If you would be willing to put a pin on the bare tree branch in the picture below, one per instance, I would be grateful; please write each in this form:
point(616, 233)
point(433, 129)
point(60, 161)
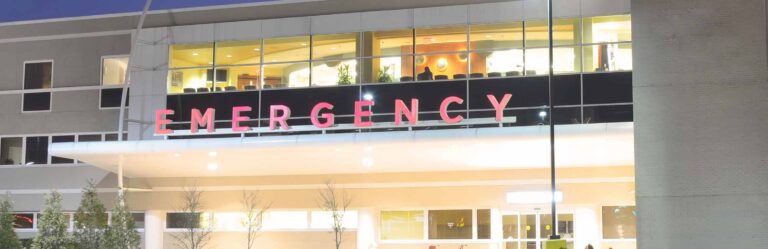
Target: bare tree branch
point(196, 231)
point(254, 208)
point(336, 202)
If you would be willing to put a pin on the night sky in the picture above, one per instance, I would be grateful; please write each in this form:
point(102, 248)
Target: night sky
point(25, 10)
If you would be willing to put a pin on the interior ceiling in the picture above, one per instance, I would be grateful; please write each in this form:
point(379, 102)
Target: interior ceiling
point(441, 150)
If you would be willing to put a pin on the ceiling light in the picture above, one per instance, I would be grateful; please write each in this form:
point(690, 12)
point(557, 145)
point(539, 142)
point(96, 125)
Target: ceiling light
point(303, 44)
point(367, 162)
point(213, 166)
point(256, 49)
point(432, 39)
point(488, 36)
point(368, 96)
point(195, 54)
point(333, 48)
point(229, 56)
point(274, 60)
point(213, 153)
point(176, 154)
point(368, 148)
point(542, 114)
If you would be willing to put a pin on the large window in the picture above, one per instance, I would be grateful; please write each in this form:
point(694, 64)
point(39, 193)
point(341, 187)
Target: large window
point(62, 139)
point(591, 44)
point(186, 220)
point(450, 224)
point(37, 75)
point(619, 222)
point(11, 150)
point(36, 150)
point(402, 225)
point(113, 72)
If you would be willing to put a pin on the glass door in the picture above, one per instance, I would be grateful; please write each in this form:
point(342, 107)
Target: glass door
point(528, 230)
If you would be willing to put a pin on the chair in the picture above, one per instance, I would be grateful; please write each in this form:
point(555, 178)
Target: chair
point(216, 89)
point(459, 76)
point(250, 87)
point(202, 90)
point(476, 75)
point(441, 77)
point(530, 72)
point(513, 73)
point(494, 74)
point(267, 86)
point(189, 90)
point(230, 88)
point(406, 78)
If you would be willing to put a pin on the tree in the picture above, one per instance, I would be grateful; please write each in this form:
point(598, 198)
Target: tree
point(336, 203)
point(8, 237)
point(254, 208)
point(196, 232)
point(122, 233)
point(52, 225)
point(90, 220)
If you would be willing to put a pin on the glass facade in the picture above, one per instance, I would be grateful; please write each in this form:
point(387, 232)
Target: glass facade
point(590, 44)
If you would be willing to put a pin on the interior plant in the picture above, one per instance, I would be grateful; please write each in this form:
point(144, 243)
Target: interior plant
point(8, 237)
point(383, 75)
point(121, 234)
point(344, 77)
point(90, 220)
point(52, 225)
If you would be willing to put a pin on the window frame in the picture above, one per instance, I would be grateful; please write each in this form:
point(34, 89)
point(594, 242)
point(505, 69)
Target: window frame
point(41, 90)
point(101, 79)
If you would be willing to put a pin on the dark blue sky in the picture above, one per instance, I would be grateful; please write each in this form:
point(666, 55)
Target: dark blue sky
point(25, 10)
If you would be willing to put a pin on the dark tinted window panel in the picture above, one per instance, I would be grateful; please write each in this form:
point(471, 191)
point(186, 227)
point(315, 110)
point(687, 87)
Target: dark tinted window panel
point(62, 139)
point(37, 150)
point(110, 137)
point(138, 219)
point(608, 114)
point(111, 97)
point(569, 115)
point(430, 95)
point(37, 75)
point(301, 101)
point(526, 92)
point(221, 101)
point(567, 89)
point(183, 220)
point(89, 138)
point(37, 102)
point(23, 220)
point(604, 88)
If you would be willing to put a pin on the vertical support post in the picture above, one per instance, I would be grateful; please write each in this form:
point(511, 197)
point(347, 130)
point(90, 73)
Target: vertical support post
point(120, 185)
point(126, 81)
point(552, 121)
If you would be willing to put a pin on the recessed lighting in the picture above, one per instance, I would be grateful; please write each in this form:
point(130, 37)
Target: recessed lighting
point(303, 44)
point(368, 96)
point(210, 63)
point(432, 39)
point(195, 54)
point(213, 166)
point(367, 162)
point(542, 114)
point(229, 56)
point(274, 60)
point(256, 49)
point(488, 36)
point(368, 148)
point(213, 153)
point(333, 48)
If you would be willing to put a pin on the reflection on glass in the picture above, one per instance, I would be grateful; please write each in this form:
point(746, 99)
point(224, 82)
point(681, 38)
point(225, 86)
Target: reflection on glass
point(608, 57)
point(38, 75)
point(387, 69)
point(330, 73)
point(23, 221)
point(607, 29)
point(619, 222)
point(496, 36)
point(388, 43)
point(286, 75)
point(238, 52)
point(10, 150)
point(565, 226)
point(238, 78)
point(528, 225)
point(564, 31)
point(444, 39)
point(483, 223)
point(441, 66)
point(500, 63)
point(511, 245)
point(113, 70)
point(510, 225)
point(285, 49)
point(334, 47)
point(450, 224)
point(402, 225)
point(36, 151)
point(566, 60)
point(190, 80)
point(190, 55)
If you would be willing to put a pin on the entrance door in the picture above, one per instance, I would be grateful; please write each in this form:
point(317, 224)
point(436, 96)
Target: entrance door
point(528, 230)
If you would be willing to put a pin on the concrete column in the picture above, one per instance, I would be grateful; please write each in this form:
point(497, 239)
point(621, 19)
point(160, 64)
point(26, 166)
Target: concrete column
point(154, 225)
point(366, 229)
point(701, 119)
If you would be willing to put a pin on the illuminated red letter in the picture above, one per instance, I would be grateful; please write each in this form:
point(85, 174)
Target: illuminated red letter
point(359, 113)
point(161, 121)
point(444, 110)
point(411, 114)
point(206, 120)
point(499, 106)
point(236, 118)
point(273, 118)
point(327, 116)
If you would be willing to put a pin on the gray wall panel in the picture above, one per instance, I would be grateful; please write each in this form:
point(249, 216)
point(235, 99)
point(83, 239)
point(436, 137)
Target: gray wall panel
point(496, 12)
point(245, 30)
point(441, 16)
point(338, 23)
point(387, 20)
point(285, 27)
point(72, 112)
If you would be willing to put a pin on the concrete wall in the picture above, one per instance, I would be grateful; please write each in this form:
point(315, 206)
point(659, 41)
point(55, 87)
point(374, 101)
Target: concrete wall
point(700, 116)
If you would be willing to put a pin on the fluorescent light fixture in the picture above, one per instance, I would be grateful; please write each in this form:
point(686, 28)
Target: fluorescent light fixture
point(533, 197)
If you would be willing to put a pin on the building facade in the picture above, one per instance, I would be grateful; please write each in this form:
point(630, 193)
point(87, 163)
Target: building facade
point(432, 117)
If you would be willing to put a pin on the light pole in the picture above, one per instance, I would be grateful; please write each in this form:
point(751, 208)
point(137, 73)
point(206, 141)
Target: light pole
point(554, 235)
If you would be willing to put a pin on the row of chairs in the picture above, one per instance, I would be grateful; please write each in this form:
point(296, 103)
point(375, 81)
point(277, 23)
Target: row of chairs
point(216, 89)
point(475, 75)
